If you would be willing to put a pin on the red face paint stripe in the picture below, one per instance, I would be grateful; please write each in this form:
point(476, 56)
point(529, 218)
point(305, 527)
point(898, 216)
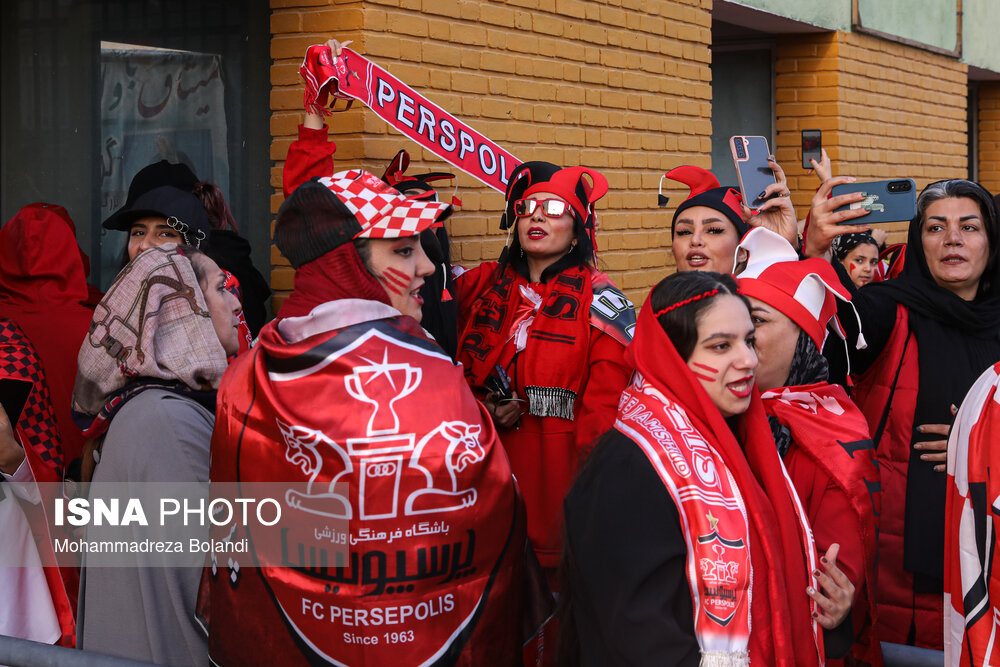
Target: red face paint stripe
point(706, 378)
point(705, 367)
point(399, 275)
point(392, 284)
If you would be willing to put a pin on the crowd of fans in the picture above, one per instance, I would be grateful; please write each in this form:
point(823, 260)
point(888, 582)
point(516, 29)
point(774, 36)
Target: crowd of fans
point(750, 467)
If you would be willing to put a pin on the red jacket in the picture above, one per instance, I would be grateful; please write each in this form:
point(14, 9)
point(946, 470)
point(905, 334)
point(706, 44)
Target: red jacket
point(545, 452)
point(309, 156)
point(831, 465)
point(899, 606)
point(42, 286)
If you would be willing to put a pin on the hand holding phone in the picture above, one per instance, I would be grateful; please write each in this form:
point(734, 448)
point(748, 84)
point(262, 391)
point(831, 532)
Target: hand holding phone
point(750, 155)
point(885, 201)
point(812, 147)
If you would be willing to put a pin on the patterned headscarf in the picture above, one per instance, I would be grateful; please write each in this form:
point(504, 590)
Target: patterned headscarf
point(151, 328)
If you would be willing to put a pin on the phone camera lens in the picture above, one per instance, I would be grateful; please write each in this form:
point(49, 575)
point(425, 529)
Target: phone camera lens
point(740, 152)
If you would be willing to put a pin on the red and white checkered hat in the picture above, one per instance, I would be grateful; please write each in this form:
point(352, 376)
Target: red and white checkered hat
point(382, 212)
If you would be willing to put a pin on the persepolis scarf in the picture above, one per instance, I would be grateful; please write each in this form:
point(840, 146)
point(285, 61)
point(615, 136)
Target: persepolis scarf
point(151, 329)
point(352, 76)
point(971, 572)
point(750, 550)
point(549, 325)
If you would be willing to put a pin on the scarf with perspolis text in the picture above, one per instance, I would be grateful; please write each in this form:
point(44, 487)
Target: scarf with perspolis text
point(352, 76)
point(971, 560)
point(401, 525)
point(826, 426)
point(549, 326)
point(750, 551)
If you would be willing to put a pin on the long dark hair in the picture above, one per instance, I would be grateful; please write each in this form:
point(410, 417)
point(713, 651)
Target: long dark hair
point(681, 323)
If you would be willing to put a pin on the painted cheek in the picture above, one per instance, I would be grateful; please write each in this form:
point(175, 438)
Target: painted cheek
point(853, 267)
point(395, 280)
point(709, 376)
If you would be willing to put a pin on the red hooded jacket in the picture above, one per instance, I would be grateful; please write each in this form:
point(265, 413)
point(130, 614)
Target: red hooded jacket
point(43, 286)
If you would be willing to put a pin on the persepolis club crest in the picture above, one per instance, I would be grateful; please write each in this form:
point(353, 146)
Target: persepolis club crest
point(722, 573)
point(399, 505)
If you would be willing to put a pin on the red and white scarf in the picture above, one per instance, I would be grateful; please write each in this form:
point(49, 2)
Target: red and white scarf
point(750, 552)
point(352, 76)
point(971, 560)
point(546, 324)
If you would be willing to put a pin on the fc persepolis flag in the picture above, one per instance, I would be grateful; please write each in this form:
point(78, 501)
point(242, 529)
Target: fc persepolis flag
point(421, 120)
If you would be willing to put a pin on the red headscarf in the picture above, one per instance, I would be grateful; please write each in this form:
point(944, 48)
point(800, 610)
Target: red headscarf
point(338, 274)
point(783, 632)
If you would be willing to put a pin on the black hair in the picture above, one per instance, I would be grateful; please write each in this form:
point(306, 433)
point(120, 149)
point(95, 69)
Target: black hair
point(581, 253)
point(843, 245)
point(681, 323)
point(959, 187)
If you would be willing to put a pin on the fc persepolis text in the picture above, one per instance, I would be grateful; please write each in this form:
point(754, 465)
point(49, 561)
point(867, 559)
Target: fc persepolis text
point(218, 512)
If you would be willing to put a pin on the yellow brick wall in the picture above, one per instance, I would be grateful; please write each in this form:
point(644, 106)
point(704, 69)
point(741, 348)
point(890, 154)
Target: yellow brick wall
point(623, 86)
point(989, 136)
point(887, 110)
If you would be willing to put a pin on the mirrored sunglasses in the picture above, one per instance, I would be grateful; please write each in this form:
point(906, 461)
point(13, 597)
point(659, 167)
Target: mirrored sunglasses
point(551, 208)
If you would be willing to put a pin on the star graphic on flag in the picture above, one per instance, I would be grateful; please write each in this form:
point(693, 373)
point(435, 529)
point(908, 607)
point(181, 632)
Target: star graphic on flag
point(381, 368)
point(712, 521)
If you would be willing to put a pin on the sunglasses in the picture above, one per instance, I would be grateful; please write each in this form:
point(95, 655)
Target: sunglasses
point(551, 208)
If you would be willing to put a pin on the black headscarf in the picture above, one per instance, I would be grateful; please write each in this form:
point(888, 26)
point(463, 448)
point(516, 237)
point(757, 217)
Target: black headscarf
point(956, 340)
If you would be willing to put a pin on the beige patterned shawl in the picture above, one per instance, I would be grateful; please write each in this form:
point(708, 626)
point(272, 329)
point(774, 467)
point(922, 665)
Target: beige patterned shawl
point(152, 323)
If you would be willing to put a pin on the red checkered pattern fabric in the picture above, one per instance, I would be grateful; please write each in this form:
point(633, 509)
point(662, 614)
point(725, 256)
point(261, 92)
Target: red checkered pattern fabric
point(382, 212)
point(37, 424)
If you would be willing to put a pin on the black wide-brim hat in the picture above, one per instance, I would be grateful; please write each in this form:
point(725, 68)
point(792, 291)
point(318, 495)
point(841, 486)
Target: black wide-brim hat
point(181, 209)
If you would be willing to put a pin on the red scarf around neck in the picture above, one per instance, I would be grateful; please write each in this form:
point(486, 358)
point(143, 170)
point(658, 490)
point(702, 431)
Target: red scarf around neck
point(552, 321)
point(777, 537)
point(338, 274)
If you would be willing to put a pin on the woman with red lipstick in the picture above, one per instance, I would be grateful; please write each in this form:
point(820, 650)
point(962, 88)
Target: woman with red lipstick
point(709, 224)
point(545, 318)
point(930, 332)
point(685, 541)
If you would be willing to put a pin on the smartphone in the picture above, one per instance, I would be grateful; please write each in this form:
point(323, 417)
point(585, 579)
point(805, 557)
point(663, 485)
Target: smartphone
point(885, 201)
point(812, 147)
point(13, 396)
point(750, 157)
point(499, 384)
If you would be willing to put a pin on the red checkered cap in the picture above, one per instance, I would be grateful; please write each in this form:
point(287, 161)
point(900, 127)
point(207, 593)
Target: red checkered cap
point(382, 212)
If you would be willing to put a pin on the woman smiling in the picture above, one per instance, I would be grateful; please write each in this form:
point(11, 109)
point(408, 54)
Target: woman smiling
point(685, 541)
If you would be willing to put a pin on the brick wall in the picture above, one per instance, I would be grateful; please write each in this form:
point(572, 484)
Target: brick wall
point(622, 86)
point(989, 135)
point(887, 110)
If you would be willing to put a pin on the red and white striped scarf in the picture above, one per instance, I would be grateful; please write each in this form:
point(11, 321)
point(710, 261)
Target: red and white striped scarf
point(750, 552)
point(972, 575)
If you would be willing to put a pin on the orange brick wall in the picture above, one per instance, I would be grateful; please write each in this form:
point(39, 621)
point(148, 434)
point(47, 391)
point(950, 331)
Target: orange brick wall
point(623, 86)
point(989, 136)
point(887, 110)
